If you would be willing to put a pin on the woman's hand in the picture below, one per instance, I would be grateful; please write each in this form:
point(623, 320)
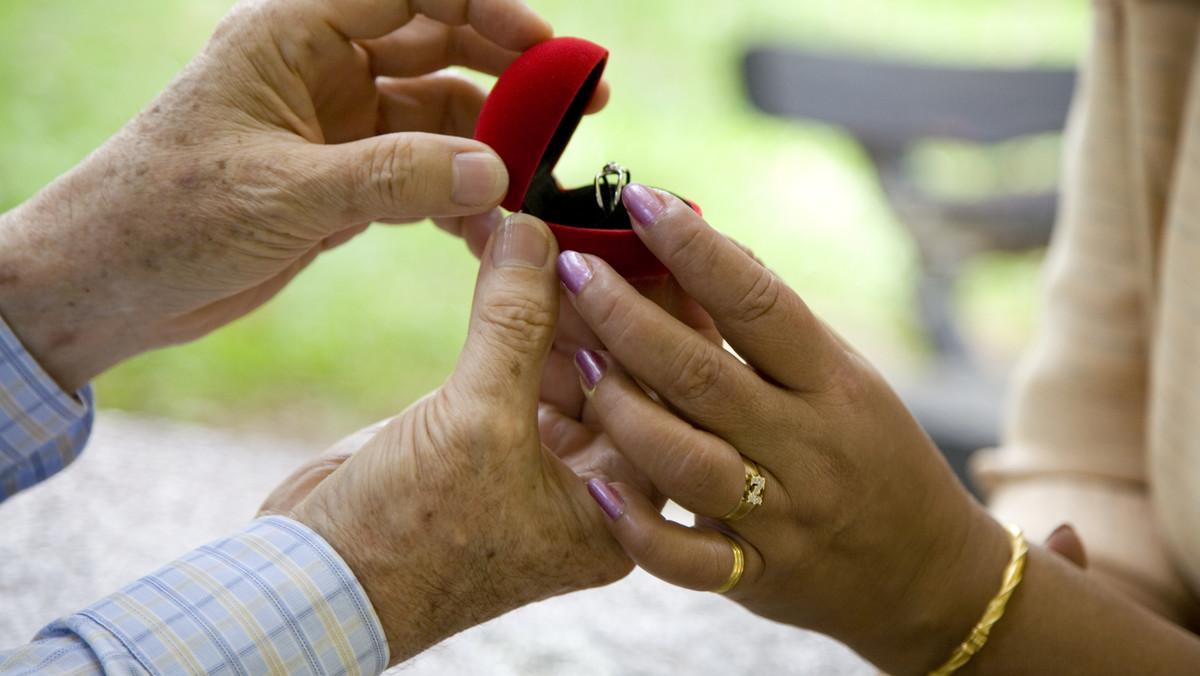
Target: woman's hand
point(863, 532)
point(301, 122)
point(456, 510)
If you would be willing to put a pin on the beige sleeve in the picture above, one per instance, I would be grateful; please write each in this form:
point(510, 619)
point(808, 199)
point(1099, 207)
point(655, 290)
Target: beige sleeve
point(1075, 440)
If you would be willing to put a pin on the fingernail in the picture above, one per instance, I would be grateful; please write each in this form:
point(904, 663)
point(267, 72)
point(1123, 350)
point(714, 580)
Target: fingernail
point(1065, 542)
point(591, 368)
point(520, 243)
point(609, 500)
point(573, 270)
point(1063, 529)
point(479, 179)
point(642, 203)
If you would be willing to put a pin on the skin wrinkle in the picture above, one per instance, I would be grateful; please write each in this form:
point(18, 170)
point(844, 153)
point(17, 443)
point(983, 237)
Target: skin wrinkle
point(607, 314)
point(517, 321)
point(697, 378)
point(692, 477)
point(387, 172)
point(759, 300)
point(696, 253)
point(291, 113)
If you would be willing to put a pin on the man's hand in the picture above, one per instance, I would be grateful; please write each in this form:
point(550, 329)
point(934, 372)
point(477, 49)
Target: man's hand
point(301, 122)
point(455, 511)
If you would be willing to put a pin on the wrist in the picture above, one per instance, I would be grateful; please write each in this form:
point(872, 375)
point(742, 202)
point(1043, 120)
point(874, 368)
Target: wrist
point(405, 620)
point(58, 318)
point(980, 633)
point(951, 597)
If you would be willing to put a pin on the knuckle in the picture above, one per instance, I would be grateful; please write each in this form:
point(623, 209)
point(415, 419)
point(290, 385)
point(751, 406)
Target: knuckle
point(651, 551)
point(695, 251)
point(849, 383)
point(608, 319)
point(697, 375)
point(692, 473)
point(391, 172)
point(758, 299)
point(495, 438)
point(471, 440)
point(517, 322)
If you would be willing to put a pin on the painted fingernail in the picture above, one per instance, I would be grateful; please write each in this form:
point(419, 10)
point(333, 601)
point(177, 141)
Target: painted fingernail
point(609, 500)
point(591, 368)
point(642, 203)
point(479, 179)
point(573, 270)
point(1065, 542)
point(520, 243)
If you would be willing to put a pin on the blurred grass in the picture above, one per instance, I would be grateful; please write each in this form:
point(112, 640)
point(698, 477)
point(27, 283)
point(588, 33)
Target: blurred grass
point(377, 323)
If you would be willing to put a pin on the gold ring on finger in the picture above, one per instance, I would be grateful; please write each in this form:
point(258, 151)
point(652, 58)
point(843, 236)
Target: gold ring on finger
point(752, 494)
point(739, 566)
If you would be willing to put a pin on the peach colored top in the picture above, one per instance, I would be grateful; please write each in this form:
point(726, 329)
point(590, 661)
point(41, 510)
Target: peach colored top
point(1104, 428)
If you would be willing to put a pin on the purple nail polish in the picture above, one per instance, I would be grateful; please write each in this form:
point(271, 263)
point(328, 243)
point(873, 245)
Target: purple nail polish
point(591, 366)
point(609, 500)
point(573, 270)
point(642, 203)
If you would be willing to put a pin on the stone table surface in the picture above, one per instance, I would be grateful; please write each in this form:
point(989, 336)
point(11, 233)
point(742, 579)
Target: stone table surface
point(147, 490)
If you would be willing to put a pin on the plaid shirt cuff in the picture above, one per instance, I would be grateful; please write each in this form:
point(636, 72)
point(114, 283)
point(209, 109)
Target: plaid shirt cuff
point(42, 428)
point(273, 598)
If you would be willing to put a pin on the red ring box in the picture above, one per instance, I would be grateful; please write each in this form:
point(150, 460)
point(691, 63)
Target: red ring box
point(528, 118)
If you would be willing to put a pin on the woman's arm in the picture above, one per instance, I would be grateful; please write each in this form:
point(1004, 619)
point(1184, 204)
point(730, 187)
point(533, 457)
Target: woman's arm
point(1079, 440)
point(863, 532)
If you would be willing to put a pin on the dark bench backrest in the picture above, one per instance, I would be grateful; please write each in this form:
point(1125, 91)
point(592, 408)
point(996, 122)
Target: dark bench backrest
point(888, 105)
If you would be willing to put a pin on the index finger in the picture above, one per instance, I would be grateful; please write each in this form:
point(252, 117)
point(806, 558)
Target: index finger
point(705, 384)
point(424, 46)
point(509, 23)
point(760, 317)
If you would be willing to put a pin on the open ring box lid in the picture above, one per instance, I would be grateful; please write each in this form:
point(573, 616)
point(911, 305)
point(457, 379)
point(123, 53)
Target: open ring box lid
point(528, 118)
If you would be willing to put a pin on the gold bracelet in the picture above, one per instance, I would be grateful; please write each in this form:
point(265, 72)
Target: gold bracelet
point(995, 608)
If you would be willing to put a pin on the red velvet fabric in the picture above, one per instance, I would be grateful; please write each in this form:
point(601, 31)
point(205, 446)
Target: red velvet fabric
point(529, 116)
point(528, 104)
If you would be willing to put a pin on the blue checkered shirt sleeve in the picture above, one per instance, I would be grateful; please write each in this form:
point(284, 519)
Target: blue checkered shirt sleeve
point(42, 428)
point(273, 598)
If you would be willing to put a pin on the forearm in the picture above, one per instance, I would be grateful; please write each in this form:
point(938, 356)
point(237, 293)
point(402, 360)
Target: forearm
point(1119, 526)
point(61, 262)
point(1060, 621)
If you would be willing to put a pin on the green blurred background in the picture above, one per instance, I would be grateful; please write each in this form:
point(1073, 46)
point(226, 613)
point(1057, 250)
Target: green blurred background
point(377, 323)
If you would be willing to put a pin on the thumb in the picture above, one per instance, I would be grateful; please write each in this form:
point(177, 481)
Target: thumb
point(411, 176)
point(514, 315)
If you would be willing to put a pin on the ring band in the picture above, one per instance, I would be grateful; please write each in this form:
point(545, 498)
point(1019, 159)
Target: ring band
point(739, 566)
point(751, 495)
